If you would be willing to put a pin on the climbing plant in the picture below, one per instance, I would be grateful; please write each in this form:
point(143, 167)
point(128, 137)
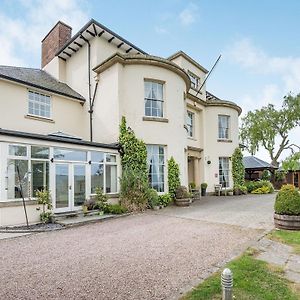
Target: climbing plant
point(173, 176)
point(134, 180)
point(238, 169)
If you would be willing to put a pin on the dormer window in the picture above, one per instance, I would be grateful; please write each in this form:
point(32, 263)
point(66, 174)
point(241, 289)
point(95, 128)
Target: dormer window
point(195, 81)
point(39, 105)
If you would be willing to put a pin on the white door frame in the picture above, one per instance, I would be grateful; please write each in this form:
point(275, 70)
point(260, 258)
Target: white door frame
point(71, 206)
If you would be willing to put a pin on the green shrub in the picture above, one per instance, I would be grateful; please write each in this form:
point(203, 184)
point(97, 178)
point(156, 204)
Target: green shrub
point(173, 176)
point(255, 185)
point(280, 175)
point(287, 202)
point(238, 169)
point(240, 189)
point(134, 193)
point(266, 175)
point(182, 192)
point(203, 185)
point(100, 200)
point(165, 199)
point(192, 185)
point(262, 190)
point(44, 199)
point(153, 198)
point(134, 183)
point(116, 209)
point(287, 187)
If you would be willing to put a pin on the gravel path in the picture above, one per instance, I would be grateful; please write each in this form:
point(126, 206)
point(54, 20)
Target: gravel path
point(146, 256)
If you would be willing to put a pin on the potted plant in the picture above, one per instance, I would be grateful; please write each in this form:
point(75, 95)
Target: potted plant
point(287, 208)
point(100, 201)
point(183, 197)
point(230, 192)
point(203, 188)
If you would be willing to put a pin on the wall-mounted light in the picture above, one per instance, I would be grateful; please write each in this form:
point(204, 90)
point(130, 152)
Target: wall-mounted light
point(209, 162)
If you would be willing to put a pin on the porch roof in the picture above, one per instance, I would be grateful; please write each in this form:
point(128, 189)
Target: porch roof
point(53, 138)
point(252, 163)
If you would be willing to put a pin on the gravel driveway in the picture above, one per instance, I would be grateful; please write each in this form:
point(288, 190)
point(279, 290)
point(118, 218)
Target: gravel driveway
point(144, 256)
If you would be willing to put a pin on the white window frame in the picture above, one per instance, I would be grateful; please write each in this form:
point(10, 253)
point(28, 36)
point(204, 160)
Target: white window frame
point(224, 173)
point(105, 163)
point(223, 132)
point(152, 100)
point(195, 81)
point(190, 126)
point(42, 97)
point(163, 165)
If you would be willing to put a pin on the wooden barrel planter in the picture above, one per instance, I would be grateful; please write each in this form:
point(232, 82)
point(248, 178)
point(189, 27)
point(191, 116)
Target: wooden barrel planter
point(287, 222)
point(183, 202)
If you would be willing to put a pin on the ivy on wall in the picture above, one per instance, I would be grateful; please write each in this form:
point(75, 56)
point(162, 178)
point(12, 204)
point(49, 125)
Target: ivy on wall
point(134, 181)
point(238, 169)
point(173, 176)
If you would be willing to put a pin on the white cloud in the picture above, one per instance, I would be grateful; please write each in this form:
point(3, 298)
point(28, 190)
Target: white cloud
point(251, 57)
point(189, 15)
point(22, 36)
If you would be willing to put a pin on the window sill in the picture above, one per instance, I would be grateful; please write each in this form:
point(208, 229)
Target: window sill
point(192, 138)
point(156, 119)
point(224, 141)
point(37, 118)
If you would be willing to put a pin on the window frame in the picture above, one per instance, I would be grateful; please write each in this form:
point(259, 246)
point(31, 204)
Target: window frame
point(190, 127)
point(225, 173)
point(162, 100)
point(221, 129)
point(33, 101)
point(162, 165)
point(196, 78)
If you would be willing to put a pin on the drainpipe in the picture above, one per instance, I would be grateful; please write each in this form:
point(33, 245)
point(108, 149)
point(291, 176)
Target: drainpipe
point(90, 111)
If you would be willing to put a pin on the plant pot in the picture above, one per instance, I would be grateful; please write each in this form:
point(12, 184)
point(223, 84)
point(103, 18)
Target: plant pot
point(230, 193)
point(287, 222)
point(203, 192)
point(156, 207)
point(183, 202)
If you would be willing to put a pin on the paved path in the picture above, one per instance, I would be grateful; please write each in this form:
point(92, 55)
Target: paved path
point(281, 255)
point(250, 211)
point(145, 256)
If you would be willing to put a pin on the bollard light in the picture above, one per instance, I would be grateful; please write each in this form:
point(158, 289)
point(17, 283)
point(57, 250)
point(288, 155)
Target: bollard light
point(227, 284)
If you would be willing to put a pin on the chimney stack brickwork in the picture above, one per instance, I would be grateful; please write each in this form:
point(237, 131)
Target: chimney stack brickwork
point(54, 40)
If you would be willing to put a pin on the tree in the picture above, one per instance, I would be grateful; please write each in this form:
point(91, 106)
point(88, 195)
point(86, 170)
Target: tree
point(292, 163)
point(265, 126)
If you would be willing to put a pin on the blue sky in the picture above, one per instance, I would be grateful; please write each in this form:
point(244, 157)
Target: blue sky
point(258, 40)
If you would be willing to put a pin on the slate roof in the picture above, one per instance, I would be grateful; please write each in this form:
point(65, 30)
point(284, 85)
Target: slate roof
point(39, 79)
point(252, 162)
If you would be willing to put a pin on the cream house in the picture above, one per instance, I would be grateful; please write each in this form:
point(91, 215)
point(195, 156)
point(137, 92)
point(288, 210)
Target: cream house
point(59, 125)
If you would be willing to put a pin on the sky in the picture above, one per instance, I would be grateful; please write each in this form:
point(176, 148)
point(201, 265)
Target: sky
point(258, 39)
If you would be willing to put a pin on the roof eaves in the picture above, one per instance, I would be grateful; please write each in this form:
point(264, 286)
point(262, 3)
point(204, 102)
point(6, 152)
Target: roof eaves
point(41, 87)
point(187, 57)
point(89, 23)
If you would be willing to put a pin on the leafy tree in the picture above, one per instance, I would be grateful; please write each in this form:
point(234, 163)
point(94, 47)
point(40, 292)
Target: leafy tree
point(238, 169)
point(173, 176)
point(265, 126)
point(292, 163)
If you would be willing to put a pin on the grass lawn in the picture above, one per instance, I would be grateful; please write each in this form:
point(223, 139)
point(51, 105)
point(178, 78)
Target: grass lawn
point(291, 238)
point(253, 280)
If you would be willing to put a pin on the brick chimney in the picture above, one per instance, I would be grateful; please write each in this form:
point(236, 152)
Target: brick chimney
point(54, 40)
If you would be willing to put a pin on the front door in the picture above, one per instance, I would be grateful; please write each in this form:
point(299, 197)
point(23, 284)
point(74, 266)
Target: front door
point(70, 186)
